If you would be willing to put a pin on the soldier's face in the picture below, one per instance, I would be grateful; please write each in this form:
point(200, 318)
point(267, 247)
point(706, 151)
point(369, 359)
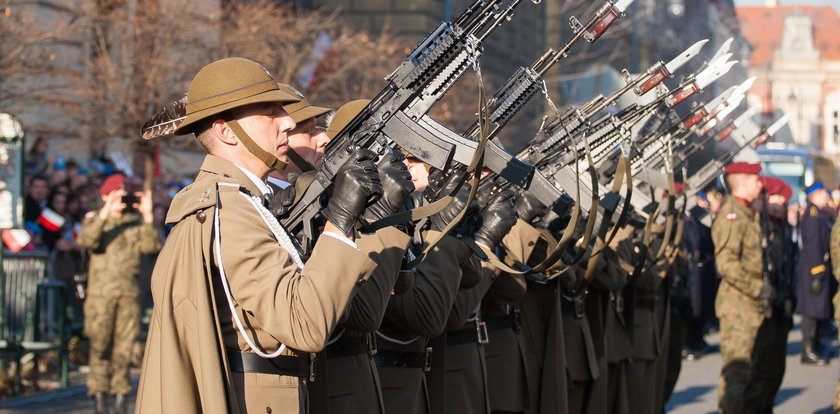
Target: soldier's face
point(309, 141)
point(776, 199)
point(819, 198)
point(268, 125)
point(419, 174)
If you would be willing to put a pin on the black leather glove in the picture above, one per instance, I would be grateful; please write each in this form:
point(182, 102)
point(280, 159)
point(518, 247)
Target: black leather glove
point(282, 201)
point(496, 220)
point(396, 186)
point(442, 218)
point(355, 186)
point(528, 208)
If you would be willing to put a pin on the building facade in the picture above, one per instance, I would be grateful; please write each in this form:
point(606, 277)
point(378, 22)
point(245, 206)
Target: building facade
point(796, 58)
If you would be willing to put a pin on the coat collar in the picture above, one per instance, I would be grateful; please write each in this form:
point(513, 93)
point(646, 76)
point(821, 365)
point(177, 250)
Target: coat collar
point(229, 172)
point(201, 194)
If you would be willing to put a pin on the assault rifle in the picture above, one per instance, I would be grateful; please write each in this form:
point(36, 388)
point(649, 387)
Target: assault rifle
point(508, 100)
point(532, 156)
point(717, 131)
point(712, 169)
point(393, 116)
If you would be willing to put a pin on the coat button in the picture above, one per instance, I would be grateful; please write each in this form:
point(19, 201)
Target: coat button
point(201, 216)
point(530, 243)
point(268, 410)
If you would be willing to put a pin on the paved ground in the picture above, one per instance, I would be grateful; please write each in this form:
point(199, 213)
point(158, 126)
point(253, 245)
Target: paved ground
point(806, 389)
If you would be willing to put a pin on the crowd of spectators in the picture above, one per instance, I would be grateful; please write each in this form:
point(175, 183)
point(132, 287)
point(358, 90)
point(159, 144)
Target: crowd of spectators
point(61, 187)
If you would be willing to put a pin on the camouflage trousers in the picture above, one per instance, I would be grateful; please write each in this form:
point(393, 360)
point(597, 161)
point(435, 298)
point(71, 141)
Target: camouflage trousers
point(740, 320)
point(112, 325)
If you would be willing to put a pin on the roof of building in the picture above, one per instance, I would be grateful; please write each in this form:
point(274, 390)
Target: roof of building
point(763, 26)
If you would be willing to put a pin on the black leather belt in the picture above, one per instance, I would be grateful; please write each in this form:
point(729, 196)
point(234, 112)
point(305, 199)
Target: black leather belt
point(353, 345)
point(510, 321)
point(292, 366)
point(574, 306)
point(476, 333)
point(398, 359)
point(645, 303)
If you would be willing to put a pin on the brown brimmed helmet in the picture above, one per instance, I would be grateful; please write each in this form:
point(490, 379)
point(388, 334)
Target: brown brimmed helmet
point(344, 115)
point(226, 84)
point(303, 110)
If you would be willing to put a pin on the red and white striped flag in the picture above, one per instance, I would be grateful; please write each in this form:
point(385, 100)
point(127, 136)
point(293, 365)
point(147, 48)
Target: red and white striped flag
point(16, 239)
point(51, 220)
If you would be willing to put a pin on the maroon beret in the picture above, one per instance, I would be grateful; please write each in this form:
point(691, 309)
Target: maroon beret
point(742, 168)
point(776, 186)
point(111, 183)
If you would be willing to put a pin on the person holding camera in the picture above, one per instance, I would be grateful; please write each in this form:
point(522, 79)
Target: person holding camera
point(116, 236)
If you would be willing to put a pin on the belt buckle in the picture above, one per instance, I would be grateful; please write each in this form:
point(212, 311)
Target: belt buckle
point(313, 360)
point(578, 301)
point(481, 332)
point(370, 339)
point(427, 360)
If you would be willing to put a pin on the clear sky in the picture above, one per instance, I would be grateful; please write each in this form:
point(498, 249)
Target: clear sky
point(835, 3)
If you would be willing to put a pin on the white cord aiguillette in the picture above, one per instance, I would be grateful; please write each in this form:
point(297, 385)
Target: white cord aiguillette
point(283, 240)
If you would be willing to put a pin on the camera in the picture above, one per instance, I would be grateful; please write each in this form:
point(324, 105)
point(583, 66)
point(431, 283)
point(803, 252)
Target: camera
point(130, 200)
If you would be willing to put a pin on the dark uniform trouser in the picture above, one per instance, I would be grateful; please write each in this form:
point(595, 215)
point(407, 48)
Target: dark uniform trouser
point(769, 361)
point(112, 325)
point(676, 342)
point(811, 331)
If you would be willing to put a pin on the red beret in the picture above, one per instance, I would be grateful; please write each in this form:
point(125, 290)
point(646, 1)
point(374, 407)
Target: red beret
point(776, 186)
point(742, 168)
point(111, 183)
point(678, 187)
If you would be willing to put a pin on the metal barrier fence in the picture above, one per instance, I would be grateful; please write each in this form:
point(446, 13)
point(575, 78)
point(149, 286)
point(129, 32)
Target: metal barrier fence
point(22, 272)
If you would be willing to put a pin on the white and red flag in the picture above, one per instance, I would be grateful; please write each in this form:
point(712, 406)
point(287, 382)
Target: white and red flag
point(16, 239)
point(51, 220)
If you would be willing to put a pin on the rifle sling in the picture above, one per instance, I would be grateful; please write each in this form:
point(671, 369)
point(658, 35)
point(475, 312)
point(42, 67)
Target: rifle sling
point(475, 167)
point(623, 175)
point(669, 220)
point(590, 223)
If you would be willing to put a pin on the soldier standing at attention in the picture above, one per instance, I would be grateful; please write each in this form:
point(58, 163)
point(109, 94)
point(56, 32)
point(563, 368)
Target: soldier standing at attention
point(117, 235)
point(744, 295)
point(781, 252)
point(814, 283)
point(237, 312)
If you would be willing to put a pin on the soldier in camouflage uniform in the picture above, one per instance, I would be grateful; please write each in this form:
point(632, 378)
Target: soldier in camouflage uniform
point(116, 237)
point(744, 296)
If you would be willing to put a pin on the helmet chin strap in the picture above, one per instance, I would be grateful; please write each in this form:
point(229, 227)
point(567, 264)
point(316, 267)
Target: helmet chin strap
point(266, 157)
point(296, 159)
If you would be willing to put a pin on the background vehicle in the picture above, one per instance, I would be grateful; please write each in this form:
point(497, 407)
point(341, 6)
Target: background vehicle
point(798, 166)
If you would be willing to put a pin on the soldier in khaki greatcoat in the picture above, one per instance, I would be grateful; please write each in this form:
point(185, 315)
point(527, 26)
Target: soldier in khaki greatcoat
point(744, 296)
point(236, 310)
point(116, 238)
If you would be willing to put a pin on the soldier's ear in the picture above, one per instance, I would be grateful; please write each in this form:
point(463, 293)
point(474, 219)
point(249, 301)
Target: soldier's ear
point(222, 132)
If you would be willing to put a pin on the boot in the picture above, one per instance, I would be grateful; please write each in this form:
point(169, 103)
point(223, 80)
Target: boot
point(100, 403)
point(121, 404)
point(810, 355)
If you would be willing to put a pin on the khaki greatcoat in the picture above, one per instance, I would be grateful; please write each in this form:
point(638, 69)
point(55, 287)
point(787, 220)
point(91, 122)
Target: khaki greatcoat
point(185, 368)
